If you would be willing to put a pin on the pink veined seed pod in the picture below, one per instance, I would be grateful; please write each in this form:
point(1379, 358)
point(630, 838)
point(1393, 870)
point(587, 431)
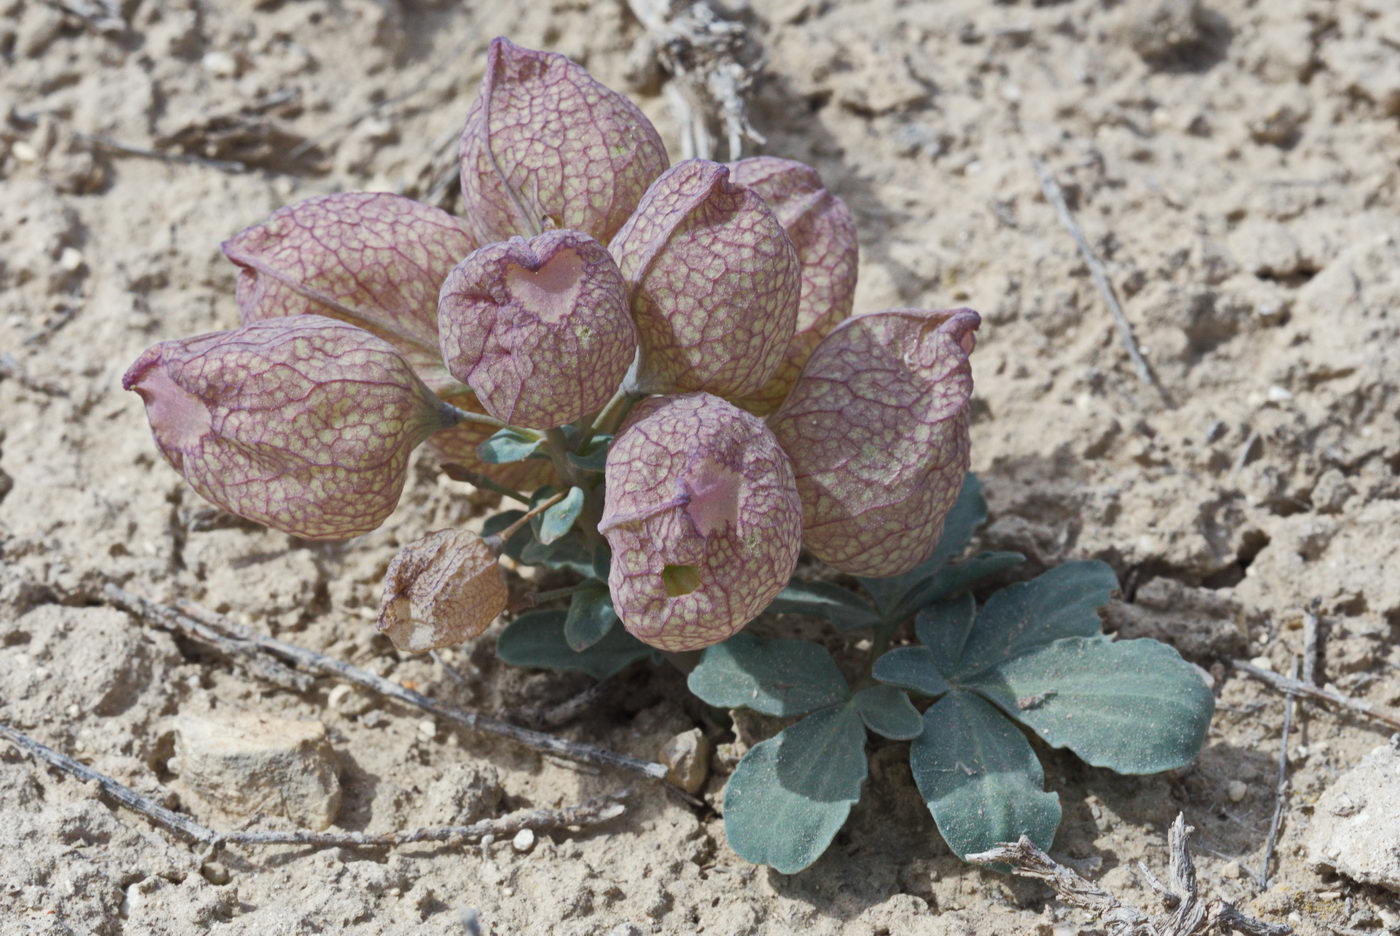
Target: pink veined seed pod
point(441, 590)
point(703, 519)
point(714, 284)
point(820, 226)
point(304, 424)
point(547, 146)
point(877, 431)
point(538, 329)
point(367, 258)
point(374, 260)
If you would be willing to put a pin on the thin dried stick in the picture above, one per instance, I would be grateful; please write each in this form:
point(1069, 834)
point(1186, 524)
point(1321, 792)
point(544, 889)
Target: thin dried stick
point(233, 641)
point(1298, 687)
point(329, 666)
point(181, 825)
point(715, 63)
point(592, 812)
point(189, 159)
point(1280, 788)
point(573, 707)
point(1056, 197)
point(104, 17)
point(1191, 915)
point(1311, 643)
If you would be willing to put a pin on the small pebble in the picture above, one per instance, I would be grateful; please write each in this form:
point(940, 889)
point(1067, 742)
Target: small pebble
point(1279, 394)
point(73, 711)
point(71, 259)
point(23, 151)
point(1231, 870)
point(214, 873)
point(427, 729)
point(1263, 663)
point(1329, 895)
point(220, 64)
point(524, 841)
point(1237, 790)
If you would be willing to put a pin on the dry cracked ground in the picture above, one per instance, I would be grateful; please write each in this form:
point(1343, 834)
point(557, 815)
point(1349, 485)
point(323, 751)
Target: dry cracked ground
point(1234, 165)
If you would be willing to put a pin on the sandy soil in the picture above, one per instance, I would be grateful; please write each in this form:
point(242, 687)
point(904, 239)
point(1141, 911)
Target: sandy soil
point(1236, 172)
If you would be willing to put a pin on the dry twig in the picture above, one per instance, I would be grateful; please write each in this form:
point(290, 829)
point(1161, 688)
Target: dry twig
point(1056, 197)
point(1190, 915)
point(1280, 789)
point(1298, 687)
point(1311, 646)
point(187, 615)
point(715, 64)
point(593, 812)
point(241, 651)
point(103, 16)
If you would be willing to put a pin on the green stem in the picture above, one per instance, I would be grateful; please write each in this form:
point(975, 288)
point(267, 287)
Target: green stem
point(543, 596)
point(461, 415)
point(604, 415)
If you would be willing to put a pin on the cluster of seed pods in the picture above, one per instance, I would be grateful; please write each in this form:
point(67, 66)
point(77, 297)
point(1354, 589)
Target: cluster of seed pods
point(585, 270)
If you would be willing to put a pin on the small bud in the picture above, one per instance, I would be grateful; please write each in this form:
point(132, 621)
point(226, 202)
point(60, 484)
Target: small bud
point(715, 283)
point(546, 146)
point(441, 590)
point(876, 428)
point(822, 230)
point(703, 519)
point(302, 423)
point(539, 330)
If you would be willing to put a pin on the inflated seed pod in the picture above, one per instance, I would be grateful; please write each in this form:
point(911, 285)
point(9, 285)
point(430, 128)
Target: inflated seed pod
point(820, 226)
point(538, 329)
point(703, 519)
point(304, 424)
point(547, 146)
point(714, 284)
point(877, 431)
point(378, 261)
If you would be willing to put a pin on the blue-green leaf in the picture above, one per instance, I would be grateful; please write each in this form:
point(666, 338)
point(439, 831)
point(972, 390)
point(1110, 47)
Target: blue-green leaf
point(944, 628)
point(590, 616)
point(509, 445)
point(830, 602)
point(980, 778)
point(1063, 602)
point(887, 711)
point(596, 457)
point(912, 668)
point(537, 640)
point(1133, 706)
point(791, 794)
point(899, 596)
point(559, 519)
point(957, 577)
point(569, 552)
point(775, 677)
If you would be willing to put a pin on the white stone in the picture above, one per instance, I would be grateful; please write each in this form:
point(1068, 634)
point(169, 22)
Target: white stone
point(1356, 824)
point(220, 64)
point(1237, 790)
point(249, 764)
point(524, 841)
